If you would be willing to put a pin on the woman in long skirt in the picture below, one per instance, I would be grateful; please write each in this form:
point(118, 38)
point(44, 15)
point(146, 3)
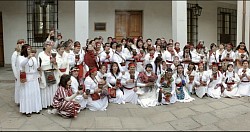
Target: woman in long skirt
point(30, 98)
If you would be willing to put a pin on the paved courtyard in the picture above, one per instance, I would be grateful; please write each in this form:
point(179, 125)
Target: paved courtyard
point(201, 114)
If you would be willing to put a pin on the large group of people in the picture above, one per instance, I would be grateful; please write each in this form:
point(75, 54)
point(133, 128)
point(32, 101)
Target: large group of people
point(68, 78)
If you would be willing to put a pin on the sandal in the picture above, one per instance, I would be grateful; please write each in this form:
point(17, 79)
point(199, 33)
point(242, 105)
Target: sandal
point(28, 115)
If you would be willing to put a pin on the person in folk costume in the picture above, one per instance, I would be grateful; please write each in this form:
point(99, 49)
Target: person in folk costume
point(182, 94)
point(244, 84)
point(158, 50)
point(101, 79)
point(69, 53)
point(228, 56)
point(219, 52)
point(130, 84)
point(145, 48)
point(213, 55)
point(166, 92)
point(77, 86)
point(123, 43)
point(241, 54)
point(169, 54)
point(201, 81)
point(157, 66)
point(230, 82)
point(192, 49)
point(48, 74)
point(177, 47)
point(215, 84)
point(114, 82)
point(90, 57)
point(62, 60)
point(113, 47)
point(64, 102)
point(150, 57)
point(120, 58)
point(139, 56)
point(148, 42)
point(16, 69)
point(191, 67)
point(128, 52)
point(30, 97)
point(133, 45)
point(147, 91)
point(97, 52)
point(78, 58)
point(191, 82)
point(185, 56)
point(106, 57)
point(95, 102)
point(176, 62)
point(201, 55)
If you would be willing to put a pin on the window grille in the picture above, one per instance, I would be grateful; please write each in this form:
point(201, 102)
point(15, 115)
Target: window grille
point(42, 16)
point(226, 25)
point(192, 25)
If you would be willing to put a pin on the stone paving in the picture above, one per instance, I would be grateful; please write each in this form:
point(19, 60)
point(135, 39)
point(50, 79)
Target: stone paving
point(201, 114)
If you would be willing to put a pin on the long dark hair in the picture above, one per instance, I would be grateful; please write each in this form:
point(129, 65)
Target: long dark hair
point(245, 48)
point(186, 47)
point(24, 51)
point(129, 47)
point(111, 69)
point(63, 80)
point(182, 71)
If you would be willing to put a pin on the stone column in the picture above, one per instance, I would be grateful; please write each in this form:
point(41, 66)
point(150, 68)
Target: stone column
point(81, 21)
point(179, 22)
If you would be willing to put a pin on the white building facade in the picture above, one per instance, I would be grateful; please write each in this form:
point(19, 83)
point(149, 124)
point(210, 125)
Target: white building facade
point(150, 19)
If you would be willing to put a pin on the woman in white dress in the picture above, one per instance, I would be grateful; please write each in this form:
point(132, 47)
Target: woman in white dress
point(230, 82)
point(147, 93)
point(48, 72)
point(180, 86)
point(244, 74)
point(95, 102)
point(129, 82)
point(62, 60)
point(201, 81)
point(16, 69)
point(75, 85)
point(214, 86)
point(114, 82)
point(30, 98)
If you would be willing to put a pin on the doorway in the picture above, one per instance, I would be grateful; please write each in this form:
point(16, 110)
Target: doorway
point(128, 24)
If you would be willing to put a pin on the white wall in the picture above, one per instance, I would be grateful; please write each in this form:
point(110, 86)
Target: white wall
point(207, 22)
point(14, 25)
point(156, 17)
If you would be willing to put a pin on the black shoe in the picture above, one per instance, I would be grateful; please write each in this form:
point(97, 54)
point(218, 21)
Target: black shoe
point(28, 115)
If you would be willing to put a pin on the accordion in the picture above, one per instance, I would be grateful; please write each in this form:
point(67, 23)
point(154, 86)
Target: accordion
point(23, 78)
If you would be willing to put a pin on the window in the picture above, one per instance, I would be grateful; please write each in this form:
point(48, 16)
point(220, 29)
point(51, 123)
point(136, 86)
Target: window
point(42, 16)
point(227, 25)
point(192, 25)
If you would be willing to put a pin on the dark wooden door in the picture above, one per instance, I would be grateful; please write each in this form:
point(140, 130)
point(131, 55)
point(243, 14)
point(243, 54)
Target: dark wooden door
point(1, 42)
point(128, 24)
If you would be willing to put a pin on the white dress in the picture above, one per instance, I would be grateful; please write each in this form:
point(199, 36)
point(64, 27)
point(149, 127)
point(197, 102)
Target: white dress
point(78, 98)
point(111, 81)
point(30, 97)
point(244, 84)
point(147, 96)
point(128, 88)
point(200, 90)
point(214, 87)
point(62, 63)
point(16, 71)
point(229, 77)
point(47, 91)
point(96, 105)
